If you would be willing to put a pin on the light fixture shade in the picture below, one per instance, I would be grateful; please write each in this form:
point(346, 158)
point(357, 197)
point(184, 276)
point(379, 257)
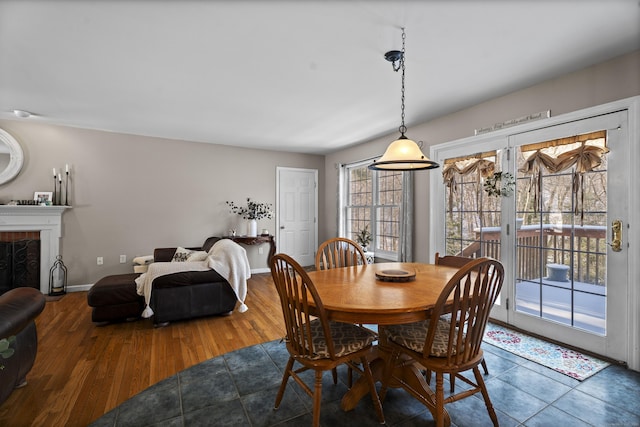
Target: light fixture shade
point(403, 154)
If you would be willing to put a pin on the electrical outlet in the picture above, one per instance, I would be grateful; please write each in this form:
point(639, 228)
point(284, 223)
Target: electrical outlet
point(260, 250)
point(123, 259)
point(100, 260)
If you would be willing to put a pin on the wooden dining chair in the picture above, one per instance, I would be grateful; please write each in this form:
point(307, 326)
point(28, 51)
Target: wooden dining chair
point(454, 261)
point(339, 252)
point(313, 341)
point(449, 347)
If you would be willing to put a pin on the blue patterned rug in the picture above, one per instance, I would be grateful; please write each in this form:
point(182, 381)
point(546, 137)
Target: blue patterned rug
point(560, 359)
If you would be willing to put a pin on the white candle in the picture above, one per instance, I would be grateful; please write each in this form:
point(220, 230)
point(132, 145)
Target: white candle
point(60, 177)
point(66, 168)
point(54, 172)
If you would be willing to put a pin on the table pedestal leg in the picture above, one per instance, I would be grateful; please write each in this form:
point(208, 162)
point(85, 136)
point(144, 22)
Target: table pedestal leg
point(406, 375)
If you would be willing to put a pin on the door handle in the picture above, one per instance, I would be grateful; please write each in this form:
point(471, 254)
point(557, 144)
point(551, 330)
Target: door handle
point(616, 235)
point(282, 227)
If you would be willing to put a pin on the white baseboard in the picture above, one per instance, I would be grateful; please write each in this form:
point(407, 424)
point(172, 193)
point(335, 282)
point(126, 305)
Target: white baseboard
point(79, 288)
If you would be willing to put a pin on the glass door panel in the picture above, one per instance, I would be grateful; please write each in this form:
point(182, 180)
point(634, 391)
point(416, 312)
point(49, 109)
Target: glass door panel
point(473, 218)
point(560, 247)
point(563, 268)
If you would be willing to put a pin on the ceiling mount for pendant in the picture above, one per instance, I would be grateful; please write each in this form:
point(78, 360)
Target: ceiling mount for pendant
point(395, 57)
point(403, 154)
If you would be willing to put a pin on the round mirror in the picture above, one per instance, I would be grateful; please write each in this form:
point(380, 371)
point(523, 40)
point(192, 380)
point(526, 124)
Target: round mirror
point(11, 157)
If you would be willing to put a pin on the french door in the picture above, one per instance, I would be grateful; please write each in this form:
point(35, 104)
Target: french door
point(553, 228)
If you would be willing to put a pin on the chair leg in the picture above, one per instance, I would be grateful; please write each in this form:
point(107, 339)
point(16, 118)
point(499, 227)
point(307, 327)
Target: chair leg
point(485, 395)
point(317, 399)
point(484, 366)
point(283, 385)
point(439, 412)
point(452, 377)
point(427, 376)
point(372, 389)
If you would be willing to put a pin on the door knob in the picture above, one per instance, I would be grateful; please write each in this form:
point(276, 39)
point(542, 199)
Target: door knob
point(616, 235)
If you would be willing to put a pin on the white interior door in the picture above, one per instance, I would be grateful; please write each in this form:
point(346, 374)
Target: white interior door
point(297, 212)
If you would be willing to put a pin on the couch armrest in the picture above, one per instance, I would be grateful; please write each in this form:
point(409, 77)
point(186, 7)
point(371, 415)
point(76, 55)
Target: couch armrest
point(208, 244)
point(19, 307)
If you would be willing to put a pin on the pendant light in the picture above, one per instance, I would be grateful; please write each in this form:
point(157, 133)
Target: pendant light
point(403, 154)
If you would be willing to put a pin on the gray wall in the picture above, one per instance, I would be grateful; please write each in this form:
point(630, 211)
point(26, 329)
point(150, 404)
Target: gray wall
point(131, 194)
point(606, 82)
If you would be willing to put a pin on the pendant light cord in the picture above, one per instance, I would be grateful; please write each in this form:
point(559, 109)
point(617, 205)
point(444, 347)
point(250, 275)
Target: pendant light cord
point(402, 127)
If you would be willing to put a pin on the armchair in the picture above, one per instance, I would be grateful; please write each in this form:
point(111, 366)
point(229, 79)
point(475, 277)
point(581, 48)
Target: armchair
point(19, 308)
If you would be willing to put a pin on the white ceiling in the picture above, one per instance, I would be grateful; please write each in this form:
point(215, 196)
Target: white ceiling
point(301, 76)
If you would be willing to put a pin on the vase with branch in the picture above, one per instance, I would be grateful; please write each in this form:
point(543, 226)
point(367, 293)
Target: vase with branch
point(499, 184)
point(253, 212)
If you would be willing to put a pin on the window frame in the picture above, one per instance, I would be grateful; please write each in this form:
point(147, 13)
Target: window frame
point(374, 209)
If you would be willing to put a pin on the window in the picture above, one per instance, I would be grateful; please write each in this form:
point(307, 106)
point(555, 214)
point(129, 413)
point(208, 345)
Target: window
point(374, 199)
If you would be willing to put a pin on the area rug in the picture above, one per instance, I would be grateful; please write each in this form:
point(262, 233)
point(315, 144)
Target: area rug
point(553, 356)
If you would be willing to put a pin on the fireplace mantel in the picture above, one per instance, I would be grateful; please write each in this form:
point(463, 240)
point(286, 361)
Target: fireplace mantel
point(45, 219)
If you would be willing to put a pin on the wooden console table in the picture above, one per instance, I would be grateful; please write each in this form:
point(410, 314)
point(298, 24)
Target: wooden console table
point(246, 240)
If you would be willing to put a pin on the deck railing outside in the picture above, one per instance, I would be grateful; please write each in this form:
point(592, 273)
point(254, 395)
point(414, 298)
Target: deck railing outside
point(540, 245)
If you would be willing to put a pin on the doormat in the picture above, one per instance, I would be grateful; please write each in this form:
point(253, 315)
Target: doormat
point(560, 359)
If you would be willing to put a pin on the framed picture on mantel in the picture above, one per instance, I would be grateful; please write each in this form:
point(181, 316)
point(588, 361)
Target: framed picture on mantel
point(43, 197)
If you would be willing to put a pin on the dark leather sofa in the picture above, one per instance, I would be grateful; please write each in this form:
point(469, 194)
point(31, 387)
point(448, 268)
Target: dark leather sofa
point(176, 296)
point(189, 294)
point(18, 309)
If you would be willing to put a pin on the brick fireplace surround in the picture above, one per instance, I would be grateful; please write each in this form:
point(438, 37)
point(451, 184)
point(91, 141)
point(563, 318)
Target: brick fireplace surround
point(47, 220)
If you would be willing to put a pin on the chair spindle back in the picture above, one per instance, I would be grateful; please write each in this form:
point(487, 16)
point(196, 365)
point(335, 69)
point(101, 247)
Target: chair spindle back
point(469, 296)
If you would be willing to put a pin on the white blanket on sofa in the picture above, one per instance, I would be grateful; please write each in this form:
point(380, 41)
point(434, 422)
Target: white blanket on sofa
point(226, 257)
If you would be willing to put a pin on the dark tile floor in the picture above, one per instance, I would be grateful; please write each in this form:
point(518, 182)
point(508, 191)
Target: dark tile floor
point(239, 388)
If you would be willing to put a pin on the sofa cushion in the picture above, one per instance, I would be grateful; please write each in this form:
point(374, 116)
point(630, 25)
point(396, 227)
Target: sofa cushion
point(163, 254)
point(113, 290)
point(181, 254)
point(187, 278)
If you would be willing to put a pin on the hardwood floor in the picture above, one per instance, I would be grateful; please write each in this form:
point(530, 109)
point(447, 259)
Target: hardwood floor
point(83, 371)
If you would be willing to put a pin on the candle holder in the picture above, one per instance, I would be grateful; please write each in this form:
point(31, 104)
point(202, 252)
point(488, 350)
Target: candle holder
point(66, 189)
point(60, 189)
point(55, 193)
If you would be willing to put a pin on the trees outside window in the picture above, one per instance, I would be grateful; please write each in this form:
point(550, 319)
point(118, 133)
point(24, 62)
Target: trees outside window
point(373, 199)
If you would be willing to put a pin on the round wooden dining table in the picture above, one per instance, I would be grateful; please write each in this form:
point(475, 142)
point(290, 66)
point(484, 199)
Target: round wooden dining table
point(356, 295)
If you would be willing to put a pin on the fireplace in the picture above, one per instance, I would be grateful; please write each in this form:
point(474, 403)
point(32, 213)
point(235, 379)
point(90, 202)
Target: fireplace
point(19, 259)
point(29, 221)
